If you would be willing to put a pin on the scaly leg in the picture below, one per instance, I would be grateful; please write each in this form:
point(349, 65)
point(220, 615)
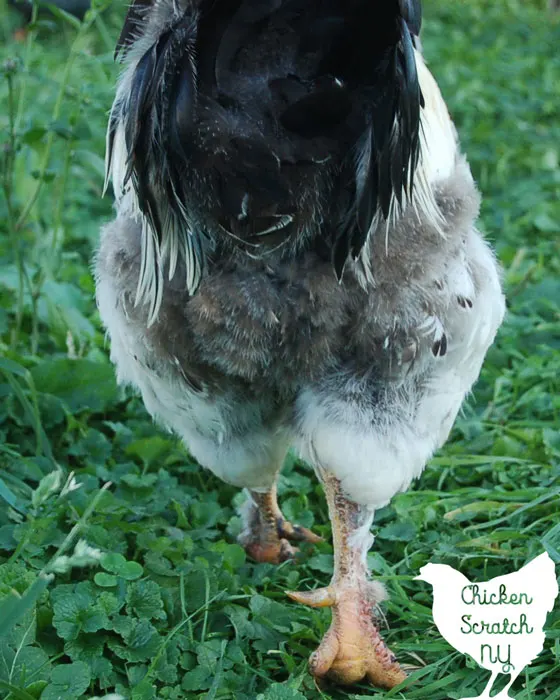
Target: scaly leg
point(352, 648)
point(267, 534)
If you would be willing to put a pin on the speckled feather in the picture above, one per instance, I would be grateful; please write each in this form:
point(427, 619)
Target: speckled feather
point(281, 323)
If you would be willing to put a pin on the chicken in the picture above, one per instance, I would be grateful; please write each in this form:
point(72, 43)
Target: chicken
point(295, 263)
point(500, 622)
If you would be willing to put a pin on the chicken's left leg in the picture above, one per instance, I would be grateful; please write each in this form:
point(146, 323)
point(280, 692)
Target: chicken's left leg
point(267, 534)
point(352, 649)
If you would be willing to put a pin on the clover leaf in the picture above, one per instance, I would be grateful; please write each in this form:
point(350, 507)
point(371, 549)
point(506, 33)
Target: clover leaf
point(117, 564)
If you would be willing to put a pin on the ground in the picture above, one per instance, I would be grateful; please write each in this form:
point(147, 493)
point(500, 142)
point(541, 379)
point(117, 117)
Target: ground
point(173, 609)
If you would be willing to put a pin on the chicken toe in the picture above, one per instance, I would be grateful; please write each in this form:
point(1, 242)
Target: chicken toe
point(352, 648)
point(267, 534)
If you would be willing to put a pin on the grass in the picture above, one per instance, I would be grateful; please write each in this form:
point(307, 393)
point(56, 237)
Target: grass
point(172, 609)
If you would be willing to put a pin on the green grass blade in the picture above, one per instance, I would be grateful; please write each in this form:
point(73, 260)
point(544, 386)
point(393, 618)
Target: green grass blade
point(14, 608)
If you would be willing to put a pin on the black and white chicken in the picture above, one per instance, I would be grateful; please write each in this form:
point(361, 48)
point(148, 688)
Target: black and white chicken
point(295, 262)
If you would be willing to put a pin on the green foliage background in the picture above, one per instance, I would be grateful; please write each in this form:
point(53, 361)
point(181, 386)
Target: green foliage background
point(173, 609)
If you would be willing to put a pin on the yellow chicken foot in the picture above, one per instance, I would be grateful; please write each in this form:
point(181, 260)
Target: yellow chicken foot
point(267, 534)
point(352, 649)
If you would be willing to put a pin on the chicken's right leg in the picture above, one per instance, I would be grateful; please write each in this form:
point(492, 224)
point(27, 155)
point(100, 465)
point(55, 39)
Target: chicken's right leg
point(352, 648)
point(267, 534)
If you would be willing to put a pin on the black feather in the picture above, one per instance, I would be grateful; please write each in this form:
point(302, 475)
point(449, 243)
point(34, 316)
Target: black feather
point(398, 168)
point(367, 194)
point(269, 119)
point(157, 118)
point(236, 35)
point(132, 26)
point(182, 104)
point(439, 348)
point(137, 108)
point(286, 91)
point(389, 148)
point(111, 133)
point(340, 252)
point(319, 35)
point(411, 12)
point(410, 104)
point(319, 112)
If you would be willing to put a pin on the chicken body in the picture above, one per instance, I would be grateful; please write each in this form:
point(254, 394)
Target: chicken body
point(273, 279)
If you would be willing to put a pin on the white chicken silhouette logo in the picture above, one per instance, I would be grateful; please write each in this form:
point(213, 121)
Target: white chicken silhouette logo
point(499, 622)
